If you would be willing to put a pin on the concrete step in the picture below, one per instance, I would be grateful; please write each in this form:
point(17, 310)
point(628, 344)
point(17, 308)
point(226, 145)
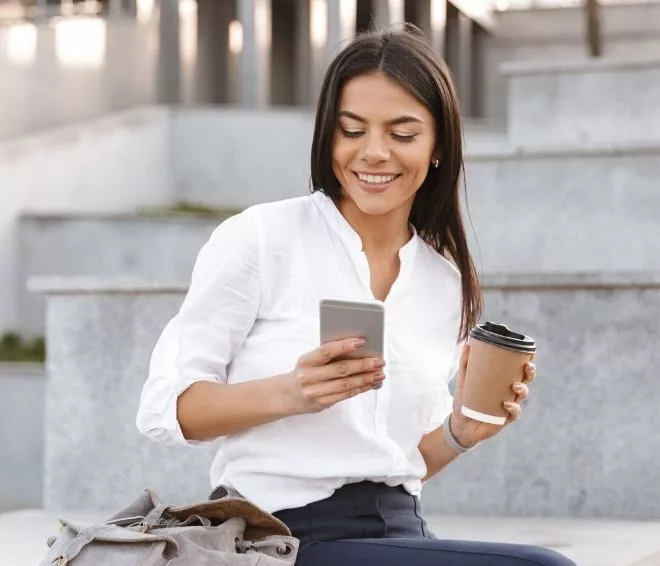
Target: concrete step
point(589, 542)
point(23, 536)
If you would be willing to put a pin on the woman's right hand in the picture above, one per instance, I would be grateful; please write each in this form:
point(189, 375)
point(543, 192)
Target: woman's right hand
point(324, 376)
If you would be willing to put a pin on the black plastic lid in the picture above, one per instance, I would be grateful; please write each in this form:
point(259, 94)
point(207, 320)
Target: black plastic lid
point(500, 335)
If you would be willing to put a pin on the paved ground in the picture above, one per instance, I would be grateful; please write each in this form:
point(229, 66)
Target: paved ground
point(587, 542)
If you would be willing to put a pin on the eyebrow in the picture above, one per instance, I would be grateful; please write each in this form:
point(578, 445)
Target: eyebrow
point(393, 122)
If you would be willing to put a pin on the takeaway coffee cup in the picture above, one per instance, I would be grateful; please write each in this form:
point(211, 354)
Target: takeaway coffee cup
point(497, 360)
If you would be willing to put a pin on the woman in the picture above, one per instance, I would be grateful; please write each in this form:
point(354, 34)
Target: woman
point(339, 449)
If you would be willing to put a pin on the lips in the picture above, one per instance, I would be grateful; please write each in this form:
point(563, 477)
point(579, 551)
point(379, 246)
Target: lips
point(372, 183)
point(376, 178)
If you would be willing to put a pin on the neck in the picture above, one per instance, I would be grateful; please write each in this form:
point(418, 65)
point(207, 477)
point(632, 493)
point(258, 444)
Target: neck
point(380, 233)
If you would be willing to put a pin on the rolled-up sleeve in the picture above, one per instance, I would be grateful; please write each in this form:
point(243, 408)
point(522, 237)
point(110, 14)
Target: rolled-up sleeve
point(211, 326)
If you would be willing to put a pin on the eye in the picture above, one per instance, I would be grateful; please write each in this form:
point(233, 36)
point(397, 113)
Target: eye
point(351, 133)
point(404, 138)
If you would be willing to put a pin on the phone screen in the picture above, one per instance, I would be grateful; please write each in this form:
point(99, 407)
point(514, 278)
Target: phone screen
point(341, 318)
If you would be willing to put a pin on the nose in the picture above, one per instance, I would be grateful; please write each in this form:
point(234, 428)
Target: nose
point(375, 148)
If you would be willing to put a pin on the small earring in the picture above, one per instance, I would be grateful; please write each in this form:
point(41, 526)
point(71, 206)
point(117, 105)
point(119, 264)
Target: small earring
point(436, 163)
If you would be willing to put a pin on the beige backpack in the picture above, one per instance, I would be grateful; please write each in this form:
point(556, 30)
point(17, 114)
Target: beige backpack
point(224, 531)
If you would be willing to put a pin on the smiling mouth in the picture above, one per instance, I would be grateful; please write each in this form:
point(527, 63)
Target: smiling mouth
point(376, 180)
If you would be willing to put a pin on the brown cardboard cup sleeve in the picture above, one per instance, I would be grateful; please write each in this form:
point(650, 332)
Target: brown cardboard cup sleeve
point(497, 360)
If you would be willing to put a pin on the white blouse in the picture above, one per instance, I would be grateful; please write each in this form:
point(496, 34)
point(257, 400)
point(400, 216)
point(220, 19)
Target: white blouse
point(253, 309)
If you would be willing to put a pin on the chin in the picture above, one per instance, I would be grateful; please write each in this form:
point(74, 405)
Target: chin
point(374, 205)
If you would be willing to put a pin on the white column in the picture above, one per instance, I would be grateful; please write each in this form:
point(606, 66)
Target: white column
point(255, 16)
point(130, 7)
point(464, 71)
point(115, 8)
point(342, 16)
point(432, 20)
point(397, 11)
point(332, 25)
point(452, 41)
point(46, 58)
point(213, 19)
point(122, 7)
point(319, 15)
point(303, 73)
point(438, 25)
point(115, 95)
point(334, 31)
point(169, 56)
point(235, 42)
point(388, 12)
point(42, 9)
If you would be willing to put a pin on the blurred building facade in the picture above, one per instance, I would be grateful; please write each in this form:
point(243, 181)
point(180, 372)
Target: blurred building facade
point(95, 57)
point(64, 61)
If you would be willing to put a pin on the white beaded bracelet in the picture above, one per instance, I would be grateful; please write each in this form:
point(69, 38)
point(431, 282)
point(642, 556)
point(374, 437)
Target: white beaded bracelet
point(454, 444)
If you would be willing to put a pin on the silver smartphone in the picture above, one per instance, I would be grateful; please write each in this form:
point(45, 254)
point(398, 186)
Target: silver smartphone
point(342, 318)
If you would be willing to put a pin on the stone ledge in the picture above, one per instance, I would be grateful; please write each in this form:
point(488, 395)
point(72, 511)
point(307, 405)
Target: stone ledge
point(604, 64)
point(572, 281)
point(14, 148)
point(102, 286)
point(493, 281)
point(513, 153)
point(572, 39)
point(22, 369)
point(165, 217)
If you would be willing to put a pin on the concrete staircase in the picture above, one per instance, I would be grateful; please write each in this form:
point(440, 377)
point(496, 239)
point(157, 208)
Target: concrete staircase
point(564, 199)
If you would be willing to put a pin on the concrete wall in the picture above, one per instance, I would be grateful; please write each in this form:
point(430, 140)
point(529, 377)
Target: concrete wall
point(519, 224)
point(99, 347)
point(241, 157)
point(21, 435)
point(233, 157)
point(583, 447)
point(594, 104)
point(565, 211)
point(557, 34)
point(137, 159)
point(567, 25)
point(145, 247)
point(118, 163)
point(47, 91)
point(551, 202)
point(237, 158)
point(582, 160)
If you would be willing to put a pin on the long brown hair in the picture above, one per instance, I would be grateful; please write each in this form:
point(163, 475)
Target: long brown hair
point(403, 54)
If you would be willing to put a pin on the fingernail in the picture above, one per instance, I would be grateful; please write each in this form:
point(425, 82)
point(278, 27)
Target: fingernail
point(379, 376)
point(359, 342)
point(379, 364)
point(508, 405)
point(517, 387)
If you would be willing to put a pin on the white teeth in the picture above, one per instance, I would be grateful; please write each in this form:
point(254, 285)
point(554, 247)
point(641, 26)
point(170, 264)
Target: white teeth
point(376, 179)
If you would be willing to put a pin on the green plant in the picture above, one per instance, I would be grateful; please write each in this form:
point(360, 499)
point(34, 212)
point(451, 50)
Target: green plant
point(14, 348)
point(192, 209)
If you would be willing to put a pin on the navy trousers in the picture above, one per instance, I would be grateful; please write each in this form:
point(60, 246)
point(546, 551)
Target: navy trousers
point(368, 523)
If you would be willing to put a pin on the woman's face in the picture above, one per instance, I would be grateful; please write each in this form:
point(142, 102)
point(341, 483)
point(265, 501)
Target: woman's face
point(383, 144)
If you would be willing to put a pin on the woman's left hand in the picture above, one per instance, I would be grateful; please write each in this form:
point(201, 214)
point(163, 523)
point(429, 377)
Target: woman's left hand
point(469, 432)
